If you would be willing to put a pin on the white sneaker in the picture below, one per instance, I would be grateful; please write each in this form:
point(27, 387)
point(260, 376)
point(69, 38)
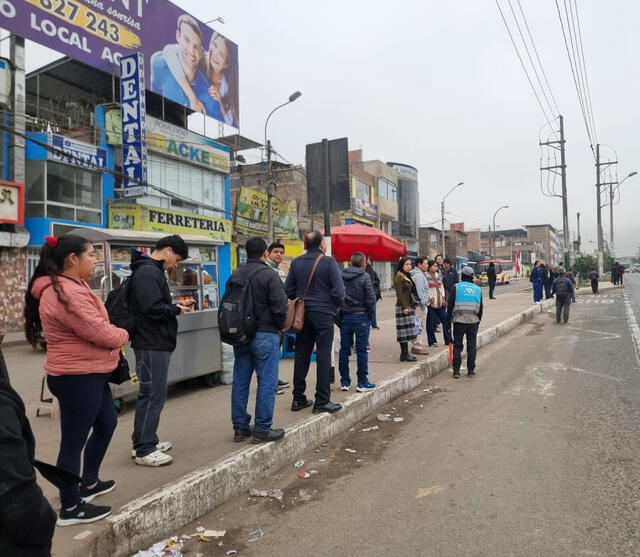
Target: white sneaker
point(162, 446)
point(156, 458)
point(344, 387)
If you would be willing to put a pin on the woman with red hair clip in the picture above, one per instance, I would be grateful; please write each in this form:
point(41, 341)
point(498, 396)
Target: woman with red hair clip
point(64, 316)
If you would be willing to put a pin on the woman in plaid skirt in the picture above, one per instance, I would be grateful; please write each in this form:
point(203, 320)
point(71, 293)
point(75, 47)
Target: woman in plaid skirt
point(405, 308)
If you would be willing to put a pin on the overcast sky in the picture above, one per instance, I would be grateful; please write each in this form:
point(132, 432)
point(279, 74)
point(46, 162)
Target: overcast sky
point(437, 85)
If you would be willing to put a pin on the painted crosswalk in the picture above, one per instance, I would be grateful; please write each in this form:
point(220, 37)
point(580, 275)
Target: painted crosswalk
point(598, 301)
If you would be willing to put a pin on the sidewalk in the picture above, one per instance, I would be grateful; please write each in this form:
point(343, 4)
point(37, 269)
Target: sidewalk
point(208, 467)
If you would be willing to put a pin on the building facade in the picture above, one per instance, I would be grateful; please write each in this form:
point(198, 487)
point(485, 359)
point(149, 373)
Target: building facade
point(406, 227)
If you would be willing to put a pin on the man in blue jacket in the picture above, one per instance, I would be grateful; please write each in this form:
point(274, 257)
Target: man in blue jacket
point(323, 298)
point(537, 279)
point(357, 314)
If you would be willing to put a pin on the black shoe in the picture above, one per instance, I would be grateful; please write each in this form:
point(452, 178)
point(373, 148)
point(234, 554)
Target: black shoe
point(282, 384)
point(471, 373)
point(492, 298)
point(406, 357)
point(242, 433)
point(89, 494)
point(82, 514)
point(329, 407)
point(298, 405)
point(456, 374)
point(271, 435)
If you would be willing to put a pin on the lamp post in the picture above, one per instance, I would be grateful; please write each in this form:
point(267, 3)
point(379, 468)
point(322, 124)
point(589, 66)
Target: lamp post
point(442, 210)
point(271, 183)
point(612, 192)
point(494, 228)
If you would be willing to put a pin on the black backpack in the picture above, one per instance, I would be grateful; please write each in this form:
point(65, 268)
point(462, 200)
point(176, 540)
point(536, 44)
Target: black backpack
point(119, 306)
point(237, 321)
point(562, 288)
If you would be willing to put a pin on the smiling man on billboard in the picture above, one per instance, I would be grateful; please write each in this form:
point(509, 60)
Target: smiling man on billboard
point(188, 53)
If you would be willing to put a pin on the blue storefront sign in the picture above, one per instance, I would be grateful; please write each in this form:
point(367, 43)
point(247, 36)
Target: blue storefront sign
point(77, 153)
point(133, 110)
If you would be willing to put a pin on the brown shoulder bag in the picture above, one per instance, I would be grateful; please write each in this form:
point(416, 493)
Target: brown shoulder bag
point(295, 311)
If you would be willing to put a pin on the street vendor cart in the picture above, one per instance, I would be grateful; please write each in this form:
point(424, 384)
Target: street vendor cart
point(198, 351)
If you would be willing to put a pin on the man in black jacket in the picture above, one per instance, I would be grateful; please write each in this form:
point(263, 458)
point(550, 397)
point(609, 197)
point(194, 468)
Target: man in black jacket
point(323, 298)
point(492, 278)
point(449, 276)
point(153, 341)
point(27, 521)
point(262, 354)
point(357, 313)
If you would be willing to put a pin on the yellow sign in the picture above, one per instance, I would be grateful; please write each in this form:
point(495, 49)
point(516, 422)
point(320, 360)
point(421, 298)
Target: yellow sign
point(154, 219)
point(252, 215)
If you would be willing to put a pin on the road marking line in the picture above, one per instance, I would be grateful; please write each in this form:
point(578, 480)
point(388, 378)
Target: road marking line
point(633, 324)
point(608, 336)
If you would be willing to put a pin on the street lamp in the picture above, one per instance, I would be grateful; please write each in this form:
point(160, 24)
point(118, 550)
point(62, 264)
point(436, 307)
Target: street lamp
point(494, 228)
point(442, 209)
point(271, 183)
point(612, 191)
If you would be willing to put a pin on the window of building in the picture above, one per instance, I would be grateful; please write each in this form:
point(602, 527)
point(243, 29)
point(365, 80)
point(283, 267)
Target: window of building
point(61, 191)
point(363, 191)
point(435, 240)
point(387, 189)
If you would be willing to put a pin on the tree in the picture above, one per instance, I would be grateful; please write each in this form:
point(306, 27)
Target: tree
point(585, 264)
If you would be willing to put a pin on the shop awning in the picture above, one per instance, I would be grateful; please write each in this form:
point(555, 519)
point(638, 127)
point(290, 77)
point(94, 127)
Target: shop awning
point(374, 243)
point(114, 235)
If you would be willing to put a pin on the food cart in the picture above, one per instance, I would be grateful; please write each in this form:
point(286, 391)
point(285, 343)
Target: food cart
point(198, 351)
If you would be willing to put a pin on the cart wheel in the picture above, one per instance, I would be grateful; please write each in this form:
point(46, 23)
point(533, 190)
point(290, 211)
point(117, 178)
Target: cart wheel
point(119, 404)
point(210, 380)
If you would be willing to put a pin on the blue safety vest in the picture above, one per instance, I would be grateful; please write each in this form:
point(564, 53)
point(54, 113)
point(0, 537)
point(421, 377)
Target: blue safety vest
point(467, 304)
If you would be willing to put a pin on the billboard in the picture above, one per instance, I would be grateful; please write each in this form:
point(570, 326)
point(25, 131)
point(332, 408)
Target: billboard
point(185, 60)
point(155, 219)
point(77, 153)
point(11, 203)
point(339, 192)
point(252, 218)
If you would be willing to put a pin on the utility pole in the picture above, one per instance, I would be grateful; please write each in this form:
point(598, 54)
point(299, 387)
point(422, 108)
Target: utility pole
point(579, 237)
point(599, 184)
point(562, 170)
point(16, 144)
point(271, 185)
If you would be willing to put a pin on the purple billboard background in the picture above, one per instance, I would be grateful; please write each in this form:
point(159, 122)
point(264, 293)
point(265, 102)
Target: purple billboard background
point(99, 32)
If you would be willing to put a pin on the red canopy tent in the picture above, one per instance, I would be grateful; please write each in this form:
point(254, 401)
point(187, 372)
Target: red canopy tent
point(374, 243)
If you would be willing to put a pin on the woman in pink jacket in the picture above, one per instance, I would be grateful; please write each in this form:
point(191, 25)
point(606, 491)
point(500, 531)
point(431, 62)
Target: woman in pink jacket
point(64, 315)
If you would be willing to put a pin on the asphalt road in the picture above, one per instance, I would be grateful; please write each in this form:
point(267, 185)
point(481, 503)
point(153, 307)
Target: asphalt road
point(536, 456)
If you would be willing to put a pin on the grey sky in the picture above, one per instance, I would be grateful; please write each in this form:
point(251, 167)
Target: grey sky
point(437, 85)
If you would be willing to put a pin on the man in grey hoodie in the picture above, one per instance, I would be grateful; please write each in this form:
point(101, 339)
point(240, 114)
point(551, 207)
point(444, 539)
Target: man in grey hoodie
point(357, 314)
point(419, 345)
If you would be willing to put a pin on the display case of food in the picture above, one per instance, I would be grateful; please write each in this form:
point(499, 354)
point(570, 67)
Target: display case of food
point(198, 351)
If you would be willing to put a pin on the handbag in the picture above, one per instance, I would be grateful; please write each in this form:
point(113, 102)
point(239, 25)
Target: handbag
point(122, 372)
point(295, 309)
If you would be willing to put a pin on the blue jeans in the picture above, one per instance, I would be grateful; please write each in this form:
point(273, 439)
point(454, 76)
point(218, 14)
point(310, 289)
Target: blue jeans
point(261, 355)
point(431, 325)
point(360, 326)
point(152, 367)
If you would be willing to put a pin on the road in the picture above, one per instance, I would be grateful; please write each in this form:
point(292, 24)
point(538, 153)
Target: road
point(537, 455)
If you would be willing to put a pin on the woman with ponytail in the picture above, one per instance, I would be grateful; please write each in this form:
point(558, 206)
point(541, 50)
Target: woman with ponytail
point(63, 315)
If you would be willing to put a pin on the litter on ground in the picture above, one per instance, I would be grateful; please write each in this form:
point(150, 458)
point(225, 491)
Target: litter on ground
point(304, 475)
point(350, 451)
point(398, 419)
point(256, 535)
point(373, 428)
point(383, 417)
point(299, 463)
point(214, 533)
point(273, 493)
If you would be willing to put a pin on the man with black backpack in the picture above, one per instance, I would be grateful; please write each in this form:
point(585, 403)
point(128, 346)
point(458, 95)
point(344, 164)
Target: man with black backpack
point(562, 287)
point(153, 341)
point(251, 316)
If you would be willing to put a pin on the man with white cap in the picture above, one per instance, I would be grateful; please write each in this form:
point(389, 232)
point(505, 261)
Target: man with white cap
point(464, 310)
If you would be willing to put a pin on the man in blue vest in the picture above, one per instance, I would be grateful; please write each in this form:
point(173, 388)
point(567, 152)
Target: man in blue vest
point(464, 310)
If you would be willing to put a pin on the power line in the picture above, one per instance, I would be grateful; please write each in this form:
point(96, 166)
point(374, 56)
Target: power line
point(513, 42)
point(524, 42)
point(524, 18)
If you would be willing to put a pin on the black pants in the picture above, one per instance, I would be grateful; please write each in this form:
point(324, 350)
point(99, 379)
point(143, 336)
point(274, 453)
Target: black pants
point(459, 332)
point(492, 287)
point(562, 309)
point(547, 290)
point(86, 406)
point(594, 286)
point(318, 330)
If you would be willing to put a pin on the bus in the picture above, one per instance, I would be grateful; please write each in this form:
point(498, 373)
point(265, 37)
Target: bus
point(504, 270)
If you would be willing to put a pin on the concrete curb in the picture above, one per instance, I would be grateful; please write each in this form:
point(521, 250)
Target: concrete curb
point(145, 520)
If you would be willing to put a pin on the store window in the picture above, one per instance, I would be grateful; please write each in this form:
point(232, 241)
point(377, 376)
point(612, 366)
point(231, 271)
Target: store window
point(61, 191)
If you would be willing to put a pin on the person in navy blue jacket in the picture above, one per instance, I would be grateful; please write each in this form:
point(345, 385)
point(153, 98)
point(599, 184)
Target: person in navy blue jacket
point(321, 303)
point(537, 279)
